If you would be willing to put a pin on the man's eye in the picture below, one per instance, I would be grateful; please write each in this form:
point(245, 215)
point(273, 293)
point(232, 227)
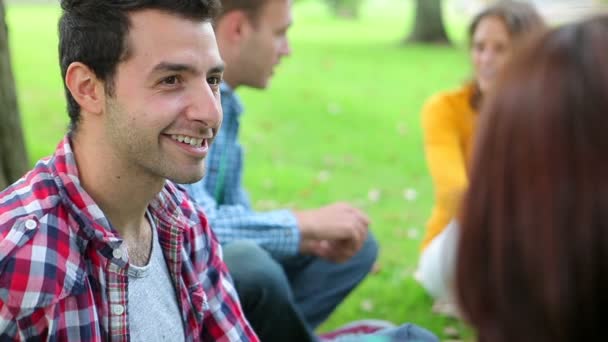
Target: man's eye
point(171, 80)
point(215, 80)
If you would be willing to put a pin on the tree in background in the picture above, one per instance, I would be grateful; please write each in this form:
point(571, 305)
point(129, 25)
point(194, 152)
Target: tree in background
point(345, 8)
point(13, 157)
point(428, 23)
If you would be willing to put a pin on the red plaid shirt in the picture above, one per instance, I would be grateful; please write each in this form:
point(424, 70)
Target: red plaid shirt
point(63, 278)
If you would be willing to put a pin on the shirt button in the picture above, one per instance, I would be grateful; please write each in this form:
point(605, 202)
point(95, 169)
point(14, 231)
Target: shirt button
point(118, 309)
point(31, 224)
point(117, 253)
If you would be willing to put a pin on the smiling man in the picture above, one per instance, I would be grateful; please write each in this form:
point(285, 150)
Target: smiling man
point(96, 241)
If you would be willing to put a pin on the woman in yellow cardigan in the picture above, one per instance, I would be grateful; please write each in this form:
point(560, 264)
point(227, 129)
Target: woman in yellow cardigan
point(449, 122)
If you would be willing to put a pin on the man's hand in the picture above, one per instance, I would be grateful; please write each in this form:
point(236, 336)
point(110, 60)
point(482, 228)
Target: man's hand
point(334, 251)
point(335, 232)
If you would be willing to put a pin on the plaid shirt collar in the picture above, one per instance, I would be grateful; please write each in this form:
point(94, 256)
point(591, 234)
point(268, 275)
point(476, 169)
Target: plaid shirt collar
point(94, 224)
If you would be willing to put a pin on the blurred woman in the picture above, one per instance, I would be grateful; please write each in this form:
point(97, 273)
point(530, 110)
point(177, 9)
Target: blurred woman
point(533, 252)
point(449, 120)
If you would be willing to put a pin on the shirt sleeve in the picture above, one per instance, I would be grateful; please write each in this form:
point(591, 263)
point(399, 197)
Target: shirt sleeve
point(446, 161)
point(276, 231)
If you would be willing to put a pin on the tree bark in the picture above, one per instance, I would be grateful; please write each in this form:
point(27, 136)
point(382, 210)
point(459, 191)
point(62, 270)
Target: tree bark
point(428, 24)
point(13, 156)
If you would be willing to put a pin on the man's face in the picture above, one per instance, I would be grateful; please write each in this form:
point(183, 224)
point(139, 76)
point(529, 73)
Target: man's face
point(166, 107)
point(266, 43)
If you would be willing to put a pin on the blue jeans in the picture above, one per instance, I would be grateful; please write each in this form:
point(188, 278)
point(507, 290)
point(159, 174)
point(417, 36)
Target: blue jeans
point(285, 300)
point(404, 333)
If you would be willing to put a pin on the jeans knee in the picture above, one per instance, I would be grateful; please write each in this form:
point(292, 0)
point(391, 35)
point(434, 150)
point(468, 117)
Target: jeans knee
point(369, 251)
point(254, 271)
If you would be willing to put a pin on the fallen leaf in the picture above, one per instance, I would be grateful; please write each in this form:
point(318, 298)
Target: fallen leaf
point(267, 184)
point(400, 232)
point(451, 331)
point(266, 204)
point(376, 268)
point(329, 161)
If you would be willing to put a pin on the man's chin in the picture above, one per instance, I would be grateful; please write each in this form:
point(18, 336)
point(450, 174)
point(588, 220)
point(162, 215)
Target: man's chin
point(261, 84)
point(188, 179)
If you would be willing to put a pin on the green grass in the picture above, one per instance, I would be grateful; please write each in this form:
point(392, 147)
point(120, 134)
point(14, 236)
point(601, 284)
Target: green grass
point(340, 120)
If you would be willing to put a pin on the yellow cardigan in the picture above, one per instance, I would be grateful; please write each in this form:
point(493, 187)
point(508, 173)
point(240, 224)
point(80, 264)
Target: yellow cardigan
point(448, 122)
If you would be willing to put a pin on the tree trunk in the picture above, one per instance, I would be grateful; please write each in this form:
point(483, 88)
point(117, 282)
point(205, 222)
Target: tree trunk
point(428, 23)
point(13, 157)
point(348, 9)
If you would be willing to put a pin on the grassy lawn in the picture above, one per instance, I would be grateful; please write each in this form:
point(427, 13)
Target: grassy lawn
point(340, 121)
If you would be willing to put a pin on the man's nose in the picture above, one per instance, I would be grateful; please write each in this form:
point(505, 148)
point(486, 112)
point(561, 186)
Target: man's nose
point(285, 48)
point(205, 105)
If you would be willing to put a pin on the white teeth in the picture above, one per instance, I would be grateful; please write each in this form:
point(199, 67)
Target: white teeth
point(188, 140)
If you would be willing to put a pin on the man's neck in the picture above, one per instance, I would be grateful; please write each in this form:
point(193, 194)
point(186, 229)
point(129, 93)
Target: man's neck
point(122, 193)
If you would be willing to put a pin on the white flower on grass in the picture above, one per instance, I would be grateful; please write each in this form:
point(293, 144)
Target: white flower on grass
point(401, 128)
point(412, 233)
point(410, 194)
point(367, 305)
point(334, 108)
point(417, 275)
point(323, 176)
point(373, 195)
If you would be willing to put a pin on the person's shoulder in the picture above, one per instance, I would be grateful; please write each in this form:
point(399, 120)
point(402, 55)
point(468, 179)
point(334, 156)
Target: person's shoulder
point(447, 107)
point(36, 243)
point(460, 95)
point(34, 194)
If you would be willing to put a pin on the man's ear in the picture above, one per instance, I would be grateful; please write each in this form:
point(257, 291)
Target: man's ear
point(234, 26)
point(86, 88)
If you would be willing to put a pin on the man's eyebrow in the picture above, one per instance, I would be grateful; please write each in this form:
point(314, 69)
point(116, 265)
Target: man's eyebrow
point(218, 69)
point(180, 67)
point(174, 67)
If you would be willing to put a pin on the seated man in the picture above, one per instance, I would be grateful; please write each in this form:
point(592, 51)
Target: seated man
point(291, 268)
point(96, 244)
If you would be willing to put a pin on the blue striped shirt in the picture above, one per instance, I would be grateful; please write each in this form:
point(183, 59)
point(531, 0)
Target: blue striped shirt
point(225, 201)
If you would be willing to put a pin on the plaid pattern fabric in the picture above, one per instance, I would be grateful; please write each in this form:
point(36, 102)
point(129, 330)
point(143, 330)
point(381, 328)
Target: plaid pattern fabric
point(224, 199)
point(63, 276)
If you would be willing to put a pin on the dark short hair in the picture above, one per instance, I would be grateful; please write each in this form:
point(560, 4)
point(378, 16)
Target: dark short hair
point(520, 19)
point(94, 32)
point(532, 259)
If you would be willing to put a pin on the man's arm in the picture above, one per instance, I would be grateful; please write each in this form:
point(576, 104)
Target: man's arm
point(276, 231)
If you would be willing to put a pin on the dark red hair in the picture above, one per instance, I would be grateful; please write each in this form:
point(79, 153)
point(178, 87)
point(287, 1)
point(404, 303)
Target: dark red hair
point(533, 254)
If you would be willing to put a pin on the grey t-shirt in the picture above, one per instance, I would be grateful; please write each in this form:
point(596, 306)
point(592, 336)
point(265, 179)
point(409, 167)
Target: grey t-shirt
point(154, 313)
